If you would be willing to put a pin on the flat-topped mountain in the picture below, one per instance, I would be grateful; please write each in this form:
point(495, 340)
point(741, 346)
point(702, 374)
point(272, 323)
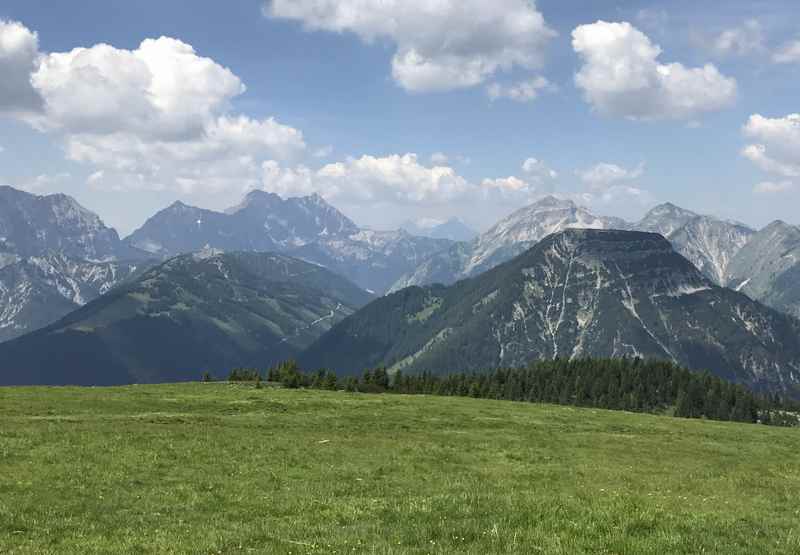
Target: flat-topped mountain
point(727, 252)
point(197, 312)
point(577, 293)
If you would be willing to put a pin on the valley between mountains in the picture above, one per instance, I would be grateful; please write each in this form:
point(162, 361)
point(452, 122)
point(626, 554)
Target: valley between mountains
point(195, 291)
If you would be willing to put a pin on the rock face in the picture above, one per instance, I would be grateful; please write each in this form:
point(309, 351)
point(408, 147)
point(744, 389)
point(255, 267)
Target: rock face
point(55, 255)
point(767, 268)
point(577, 293)
point(32, 225)
point(728, 253)
point(198, 312)
point(38, 290)
point(709, 243)
point(262, 222)
point(511, 236)
point(306, 227)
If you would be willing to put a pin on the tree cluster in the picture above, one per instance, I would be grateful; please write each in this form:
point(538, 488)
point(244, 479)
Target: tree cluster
point(636, 385)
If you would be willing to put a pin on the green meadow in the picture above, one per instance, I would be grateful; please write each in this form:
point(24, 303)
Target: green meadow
point(223, 468)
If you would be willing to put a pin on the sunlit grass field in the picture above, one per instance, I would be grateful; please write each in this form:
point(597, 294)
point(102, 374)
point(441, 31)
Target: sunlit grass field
point(220, 468)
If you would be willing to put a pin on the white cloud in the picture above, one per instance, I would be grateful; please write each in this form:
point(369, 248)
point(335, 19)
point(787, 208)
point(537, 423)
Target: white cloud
point(621, 76)
point(393, 179)
point(508, 189)
point(525, 91)
point(162, 90)
point(441, 45)
point(158, 117)
point(19, 54)
point(601, 177)
point(773, 187)
point(746, 39)
point(2, 149)
point(396, 182)
point(789, 53)
point(44, 183)
point(538, 170)
point(776, 148)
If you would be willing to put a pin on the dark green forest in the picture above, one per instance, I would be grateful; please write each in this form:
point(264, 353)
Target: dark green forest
point(631, 384)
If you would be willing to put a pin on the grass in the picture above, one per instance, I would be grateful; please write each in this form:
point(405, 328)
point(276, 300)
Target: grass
point(219, 468)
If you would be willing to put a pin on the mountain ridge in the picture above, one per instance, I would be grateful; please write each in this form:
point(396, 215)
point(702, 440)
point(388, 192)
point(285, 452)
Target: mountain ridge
point(306, 227)
point(192, 313)
point(598, 293)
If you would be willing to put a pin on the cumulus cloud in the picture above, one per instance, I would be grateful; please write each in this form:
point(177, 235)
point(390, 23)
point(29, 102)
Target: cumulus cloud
point(393, 179)
point(773, 187)
point(743, 40)
point(602, 176)
point(162, 90)
point(398, 181)
point(788, 53)
point(525, 91)
point(19, 55)
point(510, 189)
point(158, 117)
point(776, 147)
point(622, 76)
point(442, 45)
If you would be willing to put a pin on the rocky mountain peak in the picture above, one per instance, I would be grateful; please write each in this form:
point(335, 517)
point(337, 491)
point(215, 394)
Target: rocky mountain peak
point(552, 201)
point(31, 225)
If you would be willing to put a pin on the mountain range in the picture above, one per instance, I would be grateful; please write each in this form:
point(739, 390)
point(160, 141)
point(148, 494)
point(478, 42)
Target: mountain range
point(762, 264)
point(689, 289)
point(577, 293)
point(198, 312)
point(306, 227)
point(55, 255)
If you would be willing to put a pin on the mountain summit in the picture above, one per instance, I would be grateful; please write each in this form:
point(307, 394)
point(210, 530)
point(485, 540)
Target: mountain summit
point(33, 225)
point(509, 237)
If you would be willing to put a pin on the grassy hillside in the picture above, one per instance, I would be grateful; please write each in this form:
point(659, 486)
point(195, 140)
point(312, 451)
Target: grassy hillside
point(219, 468)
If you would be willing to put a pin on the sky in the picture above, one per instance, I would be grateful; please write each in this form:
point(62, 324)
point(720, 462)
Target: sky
point(404, 109)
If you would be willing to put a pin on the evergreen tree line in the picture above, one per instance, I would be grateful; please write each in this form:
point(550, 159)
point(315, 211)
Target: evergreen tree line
point(636, 385)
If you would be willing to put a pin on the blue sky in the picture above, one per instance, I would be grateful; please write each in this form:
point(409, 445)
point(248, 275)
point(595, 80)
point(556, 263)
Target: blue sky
point(326, 109)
